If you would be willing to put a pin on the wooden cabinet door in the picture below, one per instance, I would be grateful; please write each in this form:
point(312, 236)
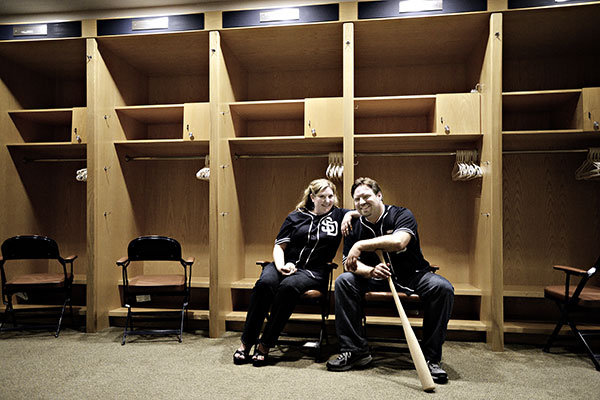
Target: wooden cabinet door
point(457, 113)
point(323, 117)
point(591, 109)
point(196, 121)
point(78, 125)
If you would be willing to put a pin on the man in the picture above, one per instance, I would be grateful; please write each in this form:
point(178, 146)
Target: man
point(393, 230)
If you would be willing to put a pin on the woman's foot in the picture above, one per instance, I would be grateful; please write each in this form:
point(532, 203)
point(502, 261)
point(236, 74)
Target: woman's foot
point(241, 355)
point(261, 355)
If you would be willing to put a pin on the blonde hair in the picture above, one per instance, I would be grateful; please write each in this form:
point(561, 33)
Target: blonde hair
point(313, 188)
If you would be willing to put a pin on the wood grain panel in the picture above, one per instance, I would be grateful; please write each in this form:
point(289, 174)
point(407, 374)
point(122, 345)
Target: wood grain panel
point(555, 71)
point(388, 80)
point(443, 208)
point(487, 238)
point(178, 53)
point(173, 89)
point(299, 47)
point(268, 190)
point(418, 41)
point(292, 83)
point(549, 218)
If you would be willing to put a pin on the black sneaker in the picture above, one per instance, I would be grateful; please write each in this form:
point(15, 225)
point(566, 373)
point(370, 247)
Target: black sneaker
point(348, 360)
point(437, 373)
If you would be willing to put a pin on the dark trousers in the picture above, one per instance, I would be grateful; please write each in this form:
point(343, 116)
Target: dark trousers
point(280, 294)
point(435, 291)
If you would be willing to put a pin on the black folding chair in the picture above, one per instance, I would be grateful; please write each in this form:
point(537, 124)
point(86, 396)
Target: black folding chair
point(584, 296)
point(155, 248)
point(320, 297)
point(33, 247)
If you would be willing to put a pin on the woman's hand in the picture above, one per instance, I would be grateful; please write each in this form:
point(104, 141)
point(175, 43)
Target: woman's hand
point(287, 269)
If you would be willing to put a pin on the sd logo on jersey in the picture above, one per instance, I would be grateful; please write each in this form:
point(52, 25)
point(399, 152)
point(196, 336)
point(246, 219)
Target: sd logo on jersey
point(329, 226)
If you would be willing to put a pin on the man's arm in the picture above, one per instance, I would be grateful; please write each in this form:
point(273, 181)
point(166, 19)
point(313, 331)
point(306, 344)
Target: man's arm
point(394, 242)
point(380, 271)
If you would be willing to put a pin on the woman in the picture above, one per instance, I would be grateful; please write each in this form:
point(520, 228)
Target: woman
point(307, 241)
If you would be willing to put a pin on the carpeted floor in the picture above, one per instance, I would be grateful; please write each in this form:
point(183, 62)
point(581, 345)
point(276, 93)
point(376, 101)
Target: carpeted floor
point(88, 366)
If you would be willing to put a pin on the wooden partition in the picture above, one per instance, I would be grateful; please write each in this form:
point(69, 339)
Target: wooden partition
point(280, 109)
point(549, 87)
point(152, 123)
point(42, 104)
point(417, 100)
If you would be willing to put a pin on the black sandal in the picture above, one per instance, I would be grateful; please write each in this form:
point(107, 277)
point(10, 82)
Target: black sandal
point(260, 362)
point(241, 357)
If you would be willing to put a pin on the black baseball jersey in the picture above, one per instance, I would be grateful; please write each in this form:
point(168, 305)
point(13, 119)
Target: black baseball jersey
point(312, 240)
point(394, 219)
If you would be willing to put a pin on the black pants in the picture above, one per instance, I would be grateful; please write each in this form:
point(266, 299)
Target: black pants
point(435, 291)
point(280, 294)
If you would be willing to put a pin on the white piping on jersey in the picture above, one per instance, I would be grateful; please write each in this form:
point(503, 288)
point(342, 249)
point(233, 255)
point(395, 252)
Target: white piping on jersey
point(283, 240)
point(312, 219)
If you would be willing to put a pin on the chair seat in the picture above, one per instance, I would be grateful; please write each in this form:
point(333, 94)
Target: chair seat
point(157, 280)
point(37, 279)
point(388, 296)
point(312, 294)
point(589, 297)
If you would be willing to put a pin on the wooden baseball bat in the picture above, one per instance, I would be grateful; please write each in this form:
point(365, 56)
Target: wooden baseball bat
point(413, 345)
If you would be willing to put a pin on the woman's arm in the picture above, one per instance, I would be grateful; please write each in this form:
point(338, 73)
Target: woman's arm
point(279, 260)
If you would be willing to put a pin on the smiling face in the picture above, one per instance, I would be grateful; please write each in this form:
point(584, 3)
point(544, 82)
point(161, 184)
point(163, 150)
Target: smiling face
point(367, 203)
point(323, 200)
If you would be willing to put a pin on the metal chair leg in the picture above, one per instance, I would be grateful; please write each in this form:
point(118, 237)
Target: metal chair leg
point(181, 324)
point(127, 326)
point(588, 349)
point(5, 316)
point(562, 321)
point(60, 318)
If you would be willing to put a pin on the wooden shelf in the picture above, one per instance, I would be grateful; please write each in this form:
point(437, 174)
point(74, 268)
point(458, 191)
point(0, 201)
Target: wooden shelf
point(77, 310)
point(240, 316)
point(538, 100)
point(162, 148)
point(284, 145)
point(540, 327)
point(454, 324)
point(460, 289)
point(523, 291)
point(121, 312)
point(565, 139)
point(153, 114)
point(265, 110)
point(371, 107)
point(57, 116)
point(44, 151)
point(418, 142)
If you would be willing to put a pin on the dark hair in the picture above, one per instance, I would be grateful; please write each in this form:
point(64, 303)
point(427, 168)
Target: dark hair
point(371, 183)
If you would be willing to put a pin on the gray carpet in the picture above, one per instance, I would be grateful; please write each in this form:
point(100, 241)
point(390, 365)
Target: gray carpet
point(78, 365)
